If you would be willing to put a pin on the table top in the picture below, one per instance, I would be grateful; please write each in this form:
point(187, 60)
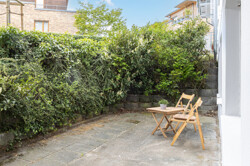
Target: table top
point(168, 110)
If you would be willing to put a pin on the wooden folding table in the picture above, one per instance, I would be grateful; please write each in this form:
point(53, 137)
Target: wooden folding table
point(169, 111)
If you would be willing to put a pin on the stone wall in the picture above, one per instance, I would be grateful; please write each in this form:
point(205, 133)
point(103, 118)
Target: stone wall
point(141, 102)
point(59, 21)
point(135, 102)
point(5, 138)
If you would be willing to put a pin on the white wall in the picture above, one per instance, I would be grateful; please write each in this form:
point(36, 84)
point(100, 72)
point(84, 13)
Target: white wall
point(233, 86)
point(229, 52)
point(234, 82)
point(231, 140)
point(230, 87)
point(245, 81)
point(221, 49)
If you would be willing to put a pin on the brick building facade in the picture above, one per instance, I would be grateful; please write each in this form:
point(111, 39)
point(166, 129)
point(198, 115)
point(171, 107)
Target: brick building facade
point(43, 15)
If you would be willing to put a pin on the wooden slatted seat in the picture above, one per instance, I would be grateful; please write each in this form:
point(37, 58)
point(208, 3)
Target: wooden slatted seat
point(184, 117)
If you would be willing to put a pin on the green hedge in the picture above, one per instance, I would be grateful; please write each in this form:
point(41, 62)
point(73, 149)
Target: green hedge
point(46, 79)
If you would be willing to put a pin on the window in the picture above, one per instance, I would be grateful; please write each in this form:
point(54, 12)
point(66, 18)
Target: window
point(42, 26)
point(205, 1)
point(205, 10)
point(40, 4)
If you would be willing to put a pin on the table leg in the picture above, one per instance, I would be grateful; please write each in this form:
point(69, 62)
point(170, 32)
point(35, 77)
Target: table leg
point(158, 125)
point(169, 123)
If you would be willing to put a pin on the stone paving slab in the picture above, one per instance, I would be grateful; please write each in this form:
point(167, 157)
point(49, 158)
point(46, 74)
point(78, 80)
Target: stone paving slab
point(124, 140)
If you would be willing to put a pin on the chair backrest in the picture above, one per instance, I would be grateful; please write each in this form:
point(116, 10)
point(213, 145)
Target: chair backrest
point(198, 103)
point(195, 107)
point(185, 96)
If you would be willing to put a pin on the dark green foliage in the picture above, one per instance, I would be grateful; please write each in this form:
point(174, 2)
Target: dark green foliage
point(180, 54)
point(46, 79)
point(158, 59)
point(133, 62)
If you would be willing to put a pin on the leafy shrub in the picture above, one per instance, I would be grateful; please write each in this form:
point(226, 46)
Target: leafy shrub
point(180, 55)
point(159, 59)
point(133, 62)
point(46, 79)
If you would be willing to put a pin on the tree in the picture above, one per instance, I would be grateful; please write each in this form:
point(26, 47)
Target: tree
point(98, 20)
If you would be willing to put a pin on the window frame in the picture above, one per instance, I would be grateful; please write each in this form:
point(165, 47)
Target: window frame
point(43, 4)
point(43, 21)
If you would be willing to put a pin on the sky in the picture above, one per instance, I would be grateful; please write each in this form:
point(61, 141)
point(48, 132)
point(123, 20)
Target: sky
point(138, 12)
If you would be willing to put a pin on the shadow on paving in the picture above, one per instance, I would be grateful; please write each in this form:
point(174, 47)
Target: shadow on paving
point(124, 140)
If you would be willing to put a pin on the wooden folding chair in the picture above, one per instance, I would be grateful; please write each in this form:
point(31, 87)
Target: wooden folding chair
point(180, 104)
point(189, 118)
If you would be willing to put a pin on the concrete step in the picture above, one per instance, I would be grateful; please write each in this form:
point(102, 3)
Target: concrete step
point(208, 92)
point(213, 71)
point(190, 91)
point(202, 92)
point(211, 84)
point(212, 78)
point(213, 65)
point(209, 101)
point(210, 64)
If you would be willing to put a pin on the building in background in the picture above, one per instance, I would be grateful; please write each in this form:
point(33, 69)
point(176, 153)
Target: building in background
point(42, 15)
point(50, 4)
point(190, 9)
point(185, 10)
point(206, 12)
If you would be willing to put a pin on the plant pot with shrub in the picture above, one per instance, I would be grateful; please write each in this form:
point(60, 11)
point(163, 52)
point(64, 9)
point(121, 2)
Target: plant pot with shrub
point(163, 103)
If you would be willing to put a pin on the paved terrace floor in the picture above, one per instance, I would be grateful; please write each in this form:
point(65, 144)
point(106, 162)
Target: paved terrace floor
point(123, 140)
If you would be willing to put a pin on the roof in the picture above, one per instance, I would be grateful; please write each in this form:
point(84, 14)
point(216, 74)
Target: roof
point(185, 3)
point(182, 5)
